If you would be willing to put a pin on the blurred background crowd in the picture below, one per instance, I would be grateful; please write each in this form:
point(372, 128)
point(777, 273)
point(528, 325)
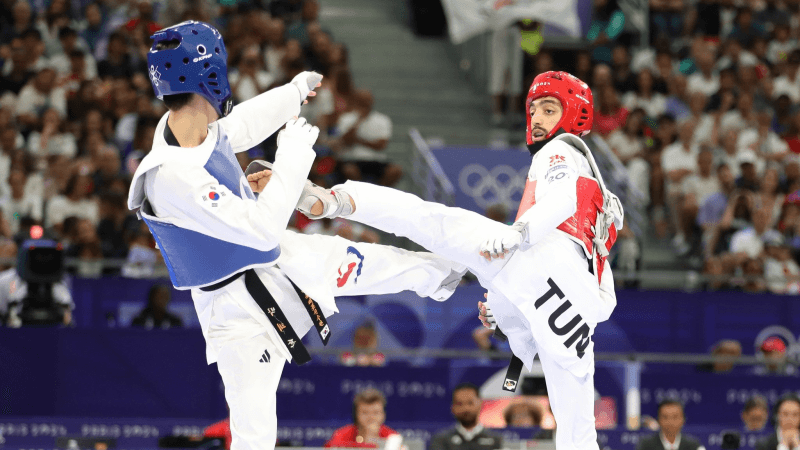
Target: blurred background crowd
point(77, 114)
point(707, 120)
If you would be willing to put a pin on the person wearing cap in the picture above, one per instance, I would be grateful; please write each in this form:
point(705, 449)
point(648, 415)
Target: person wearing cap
point(773, 350)
point(749, 164)
point(780, 269)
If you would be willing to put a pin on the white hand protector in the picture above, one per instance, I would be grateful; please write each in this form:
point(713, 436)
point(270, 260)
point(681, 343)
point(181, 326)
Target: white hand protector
point(486, 315)
point(298, 132)
point(506, 242)
point(306, 82)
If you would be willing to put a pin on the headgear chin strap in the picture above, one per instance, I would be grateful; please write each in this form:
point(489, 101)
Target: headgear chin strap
point(536, 146)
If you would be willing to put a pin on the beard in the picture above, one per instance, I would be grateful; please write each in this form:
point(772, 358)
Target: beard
point(468, 420)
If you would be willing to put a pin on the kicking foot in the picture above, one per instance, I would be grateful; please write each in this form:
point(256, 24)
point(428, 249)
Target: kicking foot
point(320, 203)
point(450, 283)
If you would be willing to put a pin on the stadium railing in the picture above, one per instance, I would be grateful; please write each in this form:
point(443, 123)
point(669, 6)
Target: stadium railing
point(428, 177)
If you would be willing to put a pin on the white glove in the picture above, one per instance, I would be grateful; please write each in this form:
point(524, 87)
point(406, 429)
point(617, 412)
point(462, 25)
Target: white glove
point(506, 242)
point(306, 82)
point(298, 132)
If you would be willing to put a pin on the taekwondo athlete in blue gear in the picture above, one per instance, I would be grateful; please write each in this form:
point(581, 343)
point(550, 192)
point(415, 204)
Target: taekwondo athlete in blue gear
point(257, 287)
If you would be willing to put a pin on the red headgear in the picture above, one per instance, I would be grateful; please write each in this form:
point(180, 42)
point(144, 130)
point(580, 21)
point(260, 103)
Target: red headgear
point(576, 101)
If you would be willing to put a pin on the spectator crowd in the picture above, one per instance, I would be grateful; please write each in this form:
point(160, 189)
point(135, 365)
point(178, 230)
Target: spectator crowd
point(77, 113)
point(706, 118)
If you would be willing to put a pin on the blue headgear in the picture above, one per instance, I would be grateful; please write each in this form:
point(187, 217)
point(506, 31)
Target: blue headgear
point(199, 64)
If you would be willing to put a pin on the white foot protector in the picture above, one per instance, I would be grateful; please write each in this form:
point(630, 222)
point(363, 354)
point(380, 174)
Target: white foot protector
point(335, 203)
point(450, 283)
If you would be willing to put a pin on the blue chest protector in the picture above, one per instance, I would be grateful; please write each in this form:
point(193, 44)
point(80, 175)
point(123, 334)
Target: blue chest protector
point(195, 259)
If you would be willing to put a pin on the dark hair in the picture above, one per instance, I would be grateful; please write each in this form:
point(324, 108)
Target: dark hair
point(118, 36)
point(31, 32)
point(533, 410)
point(756, 401)
point(177, 101)
point(469, 386)
point(66, 32)
point(789, 397)
point(154, 289)
point(669, 402)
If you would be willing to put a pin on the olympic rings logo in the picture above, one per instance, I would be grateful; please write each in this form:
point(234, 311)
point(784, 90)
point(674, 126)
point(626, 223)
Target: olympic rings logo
point(503, 184)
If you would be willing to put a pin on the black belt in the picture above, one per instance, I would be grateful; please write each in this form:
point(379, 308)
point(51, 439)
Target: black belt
point(514, 366)
point(277, 318)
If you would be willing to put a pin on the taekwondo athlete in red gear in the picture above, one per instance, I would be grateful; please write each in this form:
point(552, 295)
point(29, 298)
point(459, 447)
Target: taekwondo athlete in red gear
point(257, 287)
point(547, 275)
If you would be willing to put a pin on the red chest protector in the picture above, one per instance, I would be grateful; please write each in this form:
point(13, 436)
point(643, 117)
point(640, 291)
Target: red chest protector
point(581, 227)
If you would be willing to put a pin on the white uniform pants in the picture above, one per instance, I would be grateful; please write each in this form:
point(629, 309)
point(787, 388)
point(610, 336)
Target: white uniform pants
point(457, 234)
point(249, 355)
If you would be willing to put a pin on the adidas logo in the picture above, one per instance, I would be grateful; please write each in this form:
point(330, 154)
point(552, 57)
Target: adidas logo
point(264, 357)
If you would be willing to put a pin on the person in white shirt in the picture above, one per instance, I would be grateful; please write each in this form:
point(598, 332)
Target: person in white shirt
point(705, 80)
point(728, 152)
point(787, 435)
point(762, 140)
point(275, 48)
point(69, 43)
point(8, 251)
point(653, 103)
point(740, 118)
point(52, 138)
point(678, 161)
point(38, 96)
point(20, 202)
point(748, 243)
point(628, 145)
point(704, 122)
point(789, 82)
point(780, 270)
point(671, 420)
point(76, 200)
point(697, 188)
point(782, 45)
point(364, 135)
point(249, 78)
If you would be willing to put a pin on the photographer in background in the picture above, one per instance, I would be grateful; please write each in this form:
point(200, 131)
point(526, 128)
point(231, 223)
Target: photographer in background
point(37, 294)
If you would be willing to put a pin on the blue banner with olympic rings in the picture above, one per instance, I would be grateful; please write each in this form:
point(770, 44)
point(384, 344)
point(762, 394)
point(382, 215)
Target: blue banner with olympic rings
point(483, 177)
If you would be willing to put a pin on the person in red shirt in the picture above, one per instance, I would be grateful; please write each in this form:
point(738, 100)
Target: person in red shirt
point(369, 414)
point(221, 429)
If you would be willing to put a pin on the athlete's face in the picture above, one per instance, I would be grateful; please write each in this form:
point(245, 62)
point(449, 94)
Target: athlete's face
point(545, 113)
